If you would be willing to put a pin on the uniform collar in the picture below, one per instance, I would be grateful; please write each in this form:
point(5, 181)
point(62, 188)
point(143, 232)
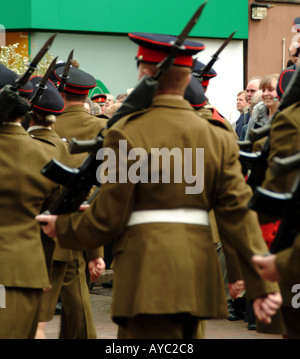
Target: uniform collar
point(175, 101)
point(12, 124)
point(33, 128)
point(76, 108)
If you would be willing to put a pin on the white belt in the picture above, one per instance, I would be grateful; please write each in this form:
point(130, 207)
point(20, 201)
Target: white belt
point(178, 215)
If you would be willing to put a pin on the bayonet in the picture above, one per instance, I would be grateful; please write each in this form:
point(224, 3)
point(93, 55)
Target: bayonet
point(66, 72)
point(184, 34)
point(38, 94)
point(22, 80)
point(9, 93)
point(215, 57)
point(169, 60)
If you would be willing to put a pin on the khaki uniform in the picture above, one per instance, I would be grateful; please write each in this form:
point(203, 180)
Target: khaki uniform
point(68, 278)
point(231, 270)
point(284, 142)
point(162, 268)
point(76, 122)
point(24, 193)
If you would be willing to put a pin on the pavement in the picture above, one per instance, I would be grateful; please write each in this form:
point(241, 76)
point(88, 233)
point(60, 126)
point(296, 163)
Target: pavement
point(101, 303)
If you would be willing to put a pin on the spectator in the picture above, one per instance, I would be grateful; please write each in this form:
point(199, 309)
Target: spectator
point(264, 111)
point(241, 105)
point(252, 87)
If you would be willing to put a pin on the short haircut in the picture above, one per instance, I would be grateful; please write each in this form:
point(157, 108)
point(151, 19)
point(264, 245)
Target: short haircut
point(71, 97)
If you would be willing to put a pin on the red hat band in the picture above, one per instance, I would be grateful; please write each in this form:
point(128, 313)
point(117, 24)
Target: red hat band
point(155, 56)
point(76, 91)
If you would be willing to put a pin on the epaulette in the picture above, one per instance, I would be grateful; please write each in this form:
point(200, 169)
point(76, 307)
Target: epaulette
point(130, 117)
point(213, 116)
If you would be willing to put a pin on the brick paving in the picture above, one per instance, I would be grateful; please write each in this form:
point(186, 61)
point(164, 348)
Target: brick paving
point(106, 329)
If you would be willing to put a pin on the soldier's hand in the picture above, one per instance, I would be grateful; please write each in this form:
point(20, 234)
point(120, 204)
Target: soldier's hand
point(266, 307)
point(266, 267)
point(96, 268)
point(48, 224)
point(236, 289)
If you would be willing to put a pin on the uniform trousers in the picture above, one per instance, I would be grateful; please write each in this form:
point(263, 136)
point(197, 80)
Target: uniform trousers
point(168, 326)
point(68, 279)
point(19, 319)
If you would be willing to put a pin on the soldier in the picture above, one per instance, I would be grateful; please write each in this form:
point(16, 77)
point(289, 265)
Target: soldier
point(75, 121)
point(285, 125)
point(195, 94)
point(24, 193)
point(198, 66)
point(163, 249)
point(68, 278)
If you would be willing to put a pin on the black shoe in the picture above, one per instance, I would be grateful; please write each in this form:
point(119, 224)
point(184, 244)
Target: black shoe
point(251, 326)
point(58, 308)
point(107, 284)
point(232, 314)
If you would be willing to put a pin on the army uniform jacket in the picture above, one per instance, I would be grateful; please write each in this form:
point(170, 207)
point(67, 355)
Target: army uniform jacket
point(59, 150)
point(162, 268)
point(23, 193)
point(233, 268)
point(76, 122)
point(284, 142)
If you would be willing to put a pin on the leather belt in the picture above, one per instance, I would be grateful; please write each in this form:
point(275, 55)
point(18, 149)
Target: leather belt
point(177, 215)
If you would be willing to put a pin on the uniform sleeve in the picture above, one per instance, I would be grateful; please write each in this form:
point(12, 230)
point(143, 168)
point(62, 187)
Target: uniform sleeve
point(108, 215)
point(238, 226)
point(288, 263)
point(285, 126)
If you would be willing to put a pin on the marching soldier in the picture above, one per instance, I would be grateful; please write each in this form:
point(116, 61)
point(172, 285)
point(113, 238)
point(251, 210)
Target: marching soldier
point(75, 121)
point(198, 66)
point(285, 125)
point(68, 278)
point(24, 193)
point(163, 248)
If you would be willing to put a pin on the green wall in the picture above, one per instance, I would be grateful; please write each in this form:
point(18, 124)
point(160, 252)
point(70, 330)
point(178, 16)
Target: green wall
point(219, 18)
point(15, 14)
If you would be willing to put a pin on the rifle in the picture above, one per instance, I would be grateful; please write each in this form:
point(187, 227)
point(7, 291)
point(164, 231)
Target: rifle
point(9, 94)
point(283, 206)
point(66, 72)
point(215, 57)
point(79, 181)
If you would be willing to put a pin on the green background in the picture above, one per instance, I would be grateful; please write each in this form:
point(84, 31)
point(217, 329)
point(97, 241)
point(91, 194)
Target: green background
point(219, 19)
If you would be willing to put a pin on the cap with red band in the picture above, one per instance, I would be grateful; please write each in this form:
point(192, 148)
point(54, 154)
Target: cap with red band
point(51, 101)
point(153, 48)
point(206, 77)
point(8, 77)
point(296, 24)
point(78, 81)
point(100, 98)
point(194, 94)
point(284, 79)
